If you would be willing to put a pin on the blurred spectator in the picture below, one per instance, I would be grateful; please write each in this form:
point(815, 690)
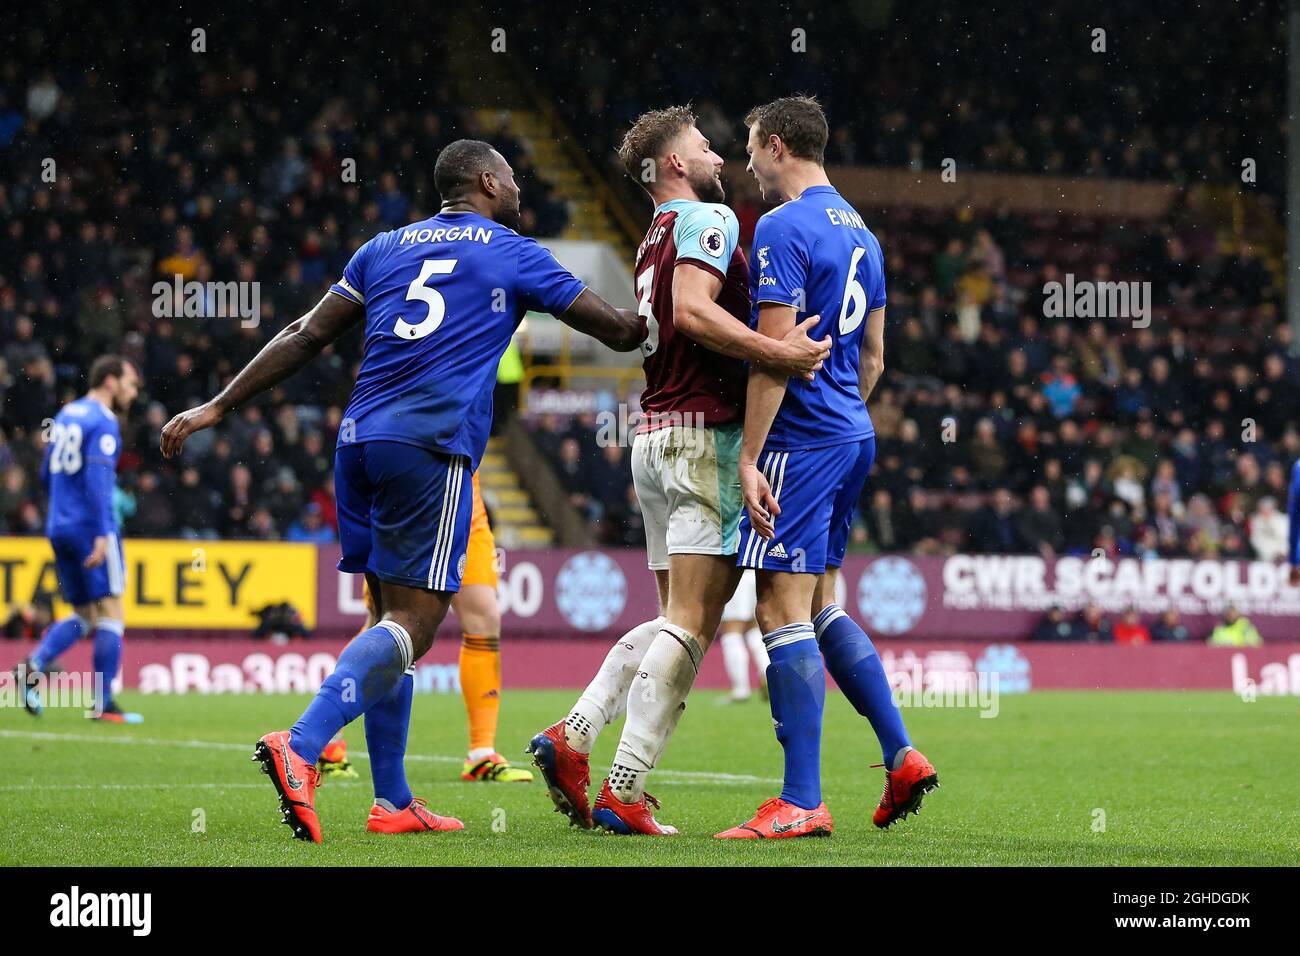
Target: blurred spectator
point(1061, 388)
point(995, 526)
point(1054, 626)
point(197, 505)
point(311, 527)
point(1233, 630)
point(881, 524)
point(1268, 531)
point(1091, 626)
point(574, 478)
point(1169, 627)
point(626, 526)
point(611, 474)
point(1040, 526)
point(155, 515)
point(1131, 630)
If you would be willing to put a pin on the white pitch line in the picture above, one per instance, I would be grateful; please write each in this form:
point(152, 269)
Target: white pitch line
point(667, 776)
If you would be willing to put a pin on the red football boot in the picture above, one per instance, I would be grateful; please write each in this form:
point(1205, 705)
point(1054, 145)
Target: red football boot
point(295, 781)
point(566, 773)
point(777, 820)
point(905, 788)
point(114, 714)
point(416, 818)
point(627, 819)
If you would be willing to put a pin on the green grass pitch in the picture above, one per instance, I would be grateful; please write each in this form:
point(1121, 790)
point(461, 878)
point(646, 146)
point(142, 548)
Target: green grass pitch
point(1181, 778)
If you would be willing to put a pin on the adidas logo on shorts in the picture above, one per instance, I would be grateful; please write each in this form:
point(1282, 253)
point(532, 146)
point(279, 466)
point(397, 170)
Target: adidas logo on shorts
point(777, 551)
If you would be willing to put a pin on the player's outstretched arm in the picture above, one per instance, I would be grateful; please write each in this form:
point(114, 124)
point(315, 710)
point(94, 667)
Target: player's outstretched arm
point(697, 314)
point(872, 365)
point(622, 330)
point(763, 399)
point(293, 347)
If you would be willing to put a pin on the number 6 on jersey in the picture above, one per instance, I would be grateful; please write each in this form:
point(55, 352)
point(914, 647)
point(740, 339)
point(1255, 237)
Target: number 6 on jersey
point(854, 296)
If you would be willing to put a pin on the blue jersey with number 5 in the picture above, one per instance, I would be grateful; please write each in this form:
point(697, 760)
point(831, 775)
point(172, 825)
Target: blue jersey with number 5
point(442, 299)
point(816, 254)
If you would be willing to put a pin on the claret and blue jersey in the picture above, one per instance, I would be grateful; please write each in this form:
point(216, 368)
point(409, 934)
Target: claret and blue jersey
point(79, 473)
point(817, 255)
point(442, 298)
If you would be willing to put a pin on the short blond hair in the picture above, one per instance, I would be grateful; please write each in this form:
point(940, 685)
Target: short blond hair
point(649, 137)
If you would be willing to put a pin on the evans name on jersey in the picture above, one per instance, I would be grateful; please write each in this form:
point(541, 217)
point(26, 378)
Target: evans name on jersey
point(817, 255)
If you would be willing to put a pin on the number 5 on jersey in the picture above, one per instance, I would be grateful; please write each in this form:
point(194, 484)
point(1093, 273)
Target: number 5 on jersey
point(432, 298)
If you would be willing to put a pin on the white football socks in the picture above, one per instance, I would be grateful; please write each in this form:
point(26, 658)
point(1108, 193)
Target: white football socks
point(605, 697)
point(655, 703)
point(735, 658)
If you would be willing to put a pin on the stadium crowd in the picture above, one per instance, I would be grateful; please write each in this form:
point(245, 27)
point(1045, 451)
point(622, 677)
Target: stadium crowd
point(1000, 429)
point(184, 166)
point(911, 84)
point(1004, 430)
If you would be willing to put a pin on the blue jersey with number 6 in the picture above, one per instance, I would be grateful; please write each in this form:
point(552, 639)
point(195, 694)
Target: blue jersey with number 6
point(816, 254)
point(442, 299)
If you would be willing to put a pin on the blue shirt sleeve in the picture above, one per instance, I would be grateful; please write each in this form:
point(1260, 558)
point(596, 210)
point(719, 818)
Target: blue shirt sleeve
point(353, 283)
point(707, 234)
point(876, 296)
point(1293, 514)
point(782, 264)
point(543, 284)
point(101, 475)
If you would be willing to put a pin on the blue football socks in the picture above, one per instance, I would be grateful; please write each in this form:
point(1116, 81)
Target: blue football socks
point(107, 658)
point(386, 725)
point(368, 670)
point(58, 638)
point(852, 660)
point(796, 685)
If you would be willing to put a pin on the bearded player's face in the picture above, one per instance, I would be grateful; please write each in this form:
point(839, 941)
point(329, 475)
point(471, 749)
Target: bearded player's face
point(507, 209)
point(703, 167)
point(126, 389)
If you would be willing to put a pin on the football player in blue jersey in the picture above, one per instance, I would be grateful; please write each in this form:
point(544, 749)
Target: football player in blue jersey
point(79, 473)
point(805, 454)
point(440, 300)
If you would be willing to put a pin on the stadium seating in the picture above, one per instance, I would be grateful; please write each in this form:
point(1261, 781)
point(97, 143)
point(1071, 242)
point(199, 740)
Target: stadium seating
point(77, 268)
